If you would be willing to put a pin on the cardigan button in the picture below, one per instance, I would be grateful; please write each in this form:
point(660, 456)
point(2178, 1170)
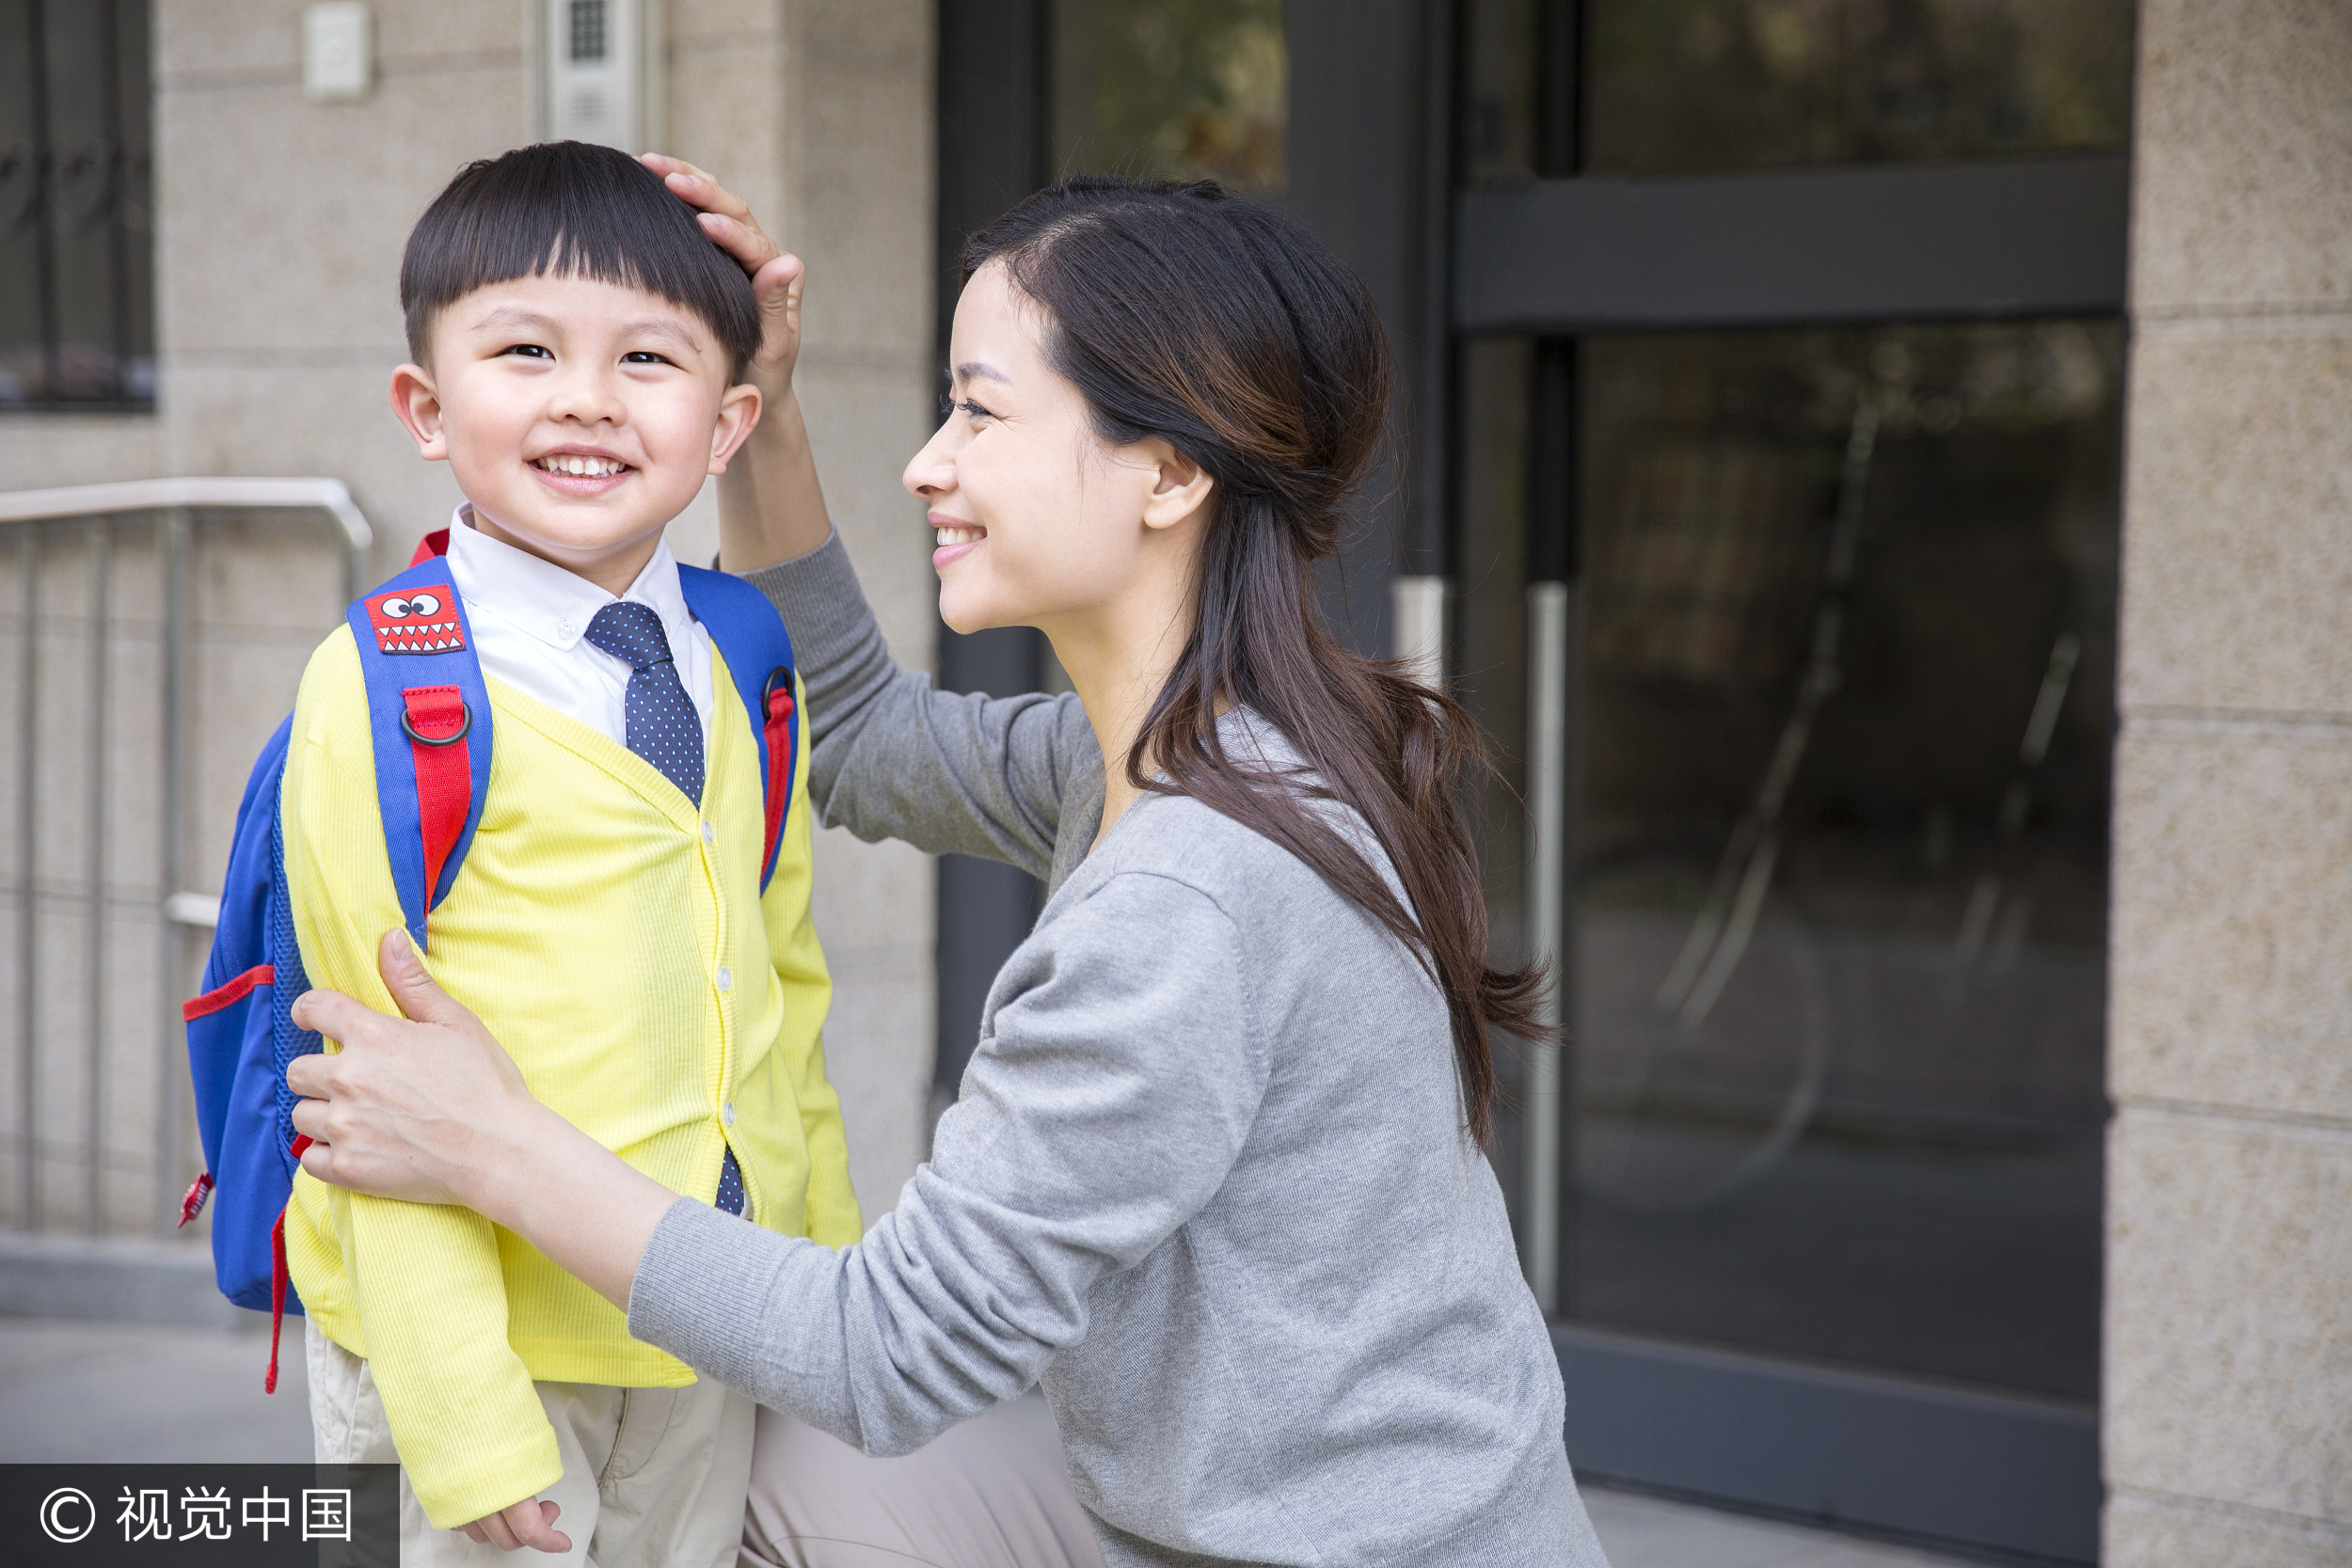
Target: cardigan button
point(726, 1113)
point(725, 978)
point(711, 834)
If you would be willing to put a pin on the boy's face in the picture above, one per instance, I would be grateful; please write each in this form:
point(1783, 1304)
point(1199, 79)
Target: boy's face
point(579, 417)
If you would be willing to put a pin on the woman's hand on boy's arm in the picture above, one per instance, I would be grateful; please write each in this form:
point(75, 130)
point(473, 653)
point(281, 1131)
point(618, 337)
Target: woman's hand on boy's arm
point(529, 1523)
point(770, 506)
point(428, 1107)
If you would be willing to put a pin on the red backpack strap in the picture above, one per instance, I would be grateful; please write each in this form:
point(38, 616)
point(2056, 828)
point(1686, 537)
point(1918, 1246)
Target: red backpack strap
point(437, 719)
point(752, 640)
point(429, 717)
point(435, 543)
point(780, 734)
point(278, 1279)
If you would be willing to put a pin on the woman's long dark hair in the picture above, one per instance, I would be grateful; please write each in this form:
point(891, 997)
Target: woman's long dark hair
point(1219, 325)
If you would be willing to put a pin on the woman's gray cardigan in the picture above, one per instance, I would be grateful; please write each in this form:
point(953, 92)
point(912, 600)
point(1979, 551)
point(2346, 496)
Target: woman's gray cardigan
point(1206, 1180)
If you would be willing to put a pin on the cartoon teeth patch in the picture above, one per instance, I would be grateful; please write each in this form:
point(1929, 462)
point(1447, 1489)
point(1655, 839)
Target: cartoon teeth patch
point(421, 622)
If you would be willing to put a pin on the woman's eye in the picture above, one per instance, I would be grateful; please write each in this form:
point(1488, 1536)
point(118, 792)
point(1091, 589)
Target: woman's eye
point(974, 409)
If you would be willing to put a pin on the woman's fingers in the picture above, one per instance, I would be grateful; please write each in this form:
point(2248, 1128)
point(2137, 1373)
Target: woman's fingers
point(338, 1017)
point(418, 995)
point(778, 283)
point(313, 1076)
point(741, 239)
point(319, 1159)
point(401, 1107)
point(695, 186)
point(309, 1113)
point(776, 275)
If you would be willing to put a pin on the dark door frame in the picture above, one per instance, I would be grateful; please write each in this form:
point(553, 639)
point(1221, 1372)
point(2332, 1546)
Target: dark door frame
point(995, 147)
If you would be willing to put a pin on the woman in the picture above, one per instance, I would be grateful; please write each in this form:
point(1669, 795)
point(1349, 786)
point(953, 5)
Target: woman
point(1215, 1173)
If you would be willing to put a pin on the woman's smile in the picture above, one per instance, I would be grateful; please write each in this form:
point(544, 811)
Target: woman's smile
point(957, 538)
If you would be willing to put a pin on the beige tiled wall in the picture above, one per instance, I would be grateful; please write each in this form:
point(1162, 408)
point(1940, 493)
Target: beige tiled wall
point(819, 113)
point(2229, 1382)
point(280, 223)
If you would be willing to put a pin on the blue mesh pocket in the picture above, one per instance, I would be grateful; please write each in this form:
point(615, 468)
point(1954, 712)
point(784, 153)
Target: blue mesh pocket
point(287, 1040)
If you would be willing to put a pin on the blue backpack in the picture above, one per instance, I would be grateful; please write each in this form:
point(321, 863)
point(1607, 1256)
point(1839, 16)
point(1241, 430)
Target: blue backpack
point(429, 714)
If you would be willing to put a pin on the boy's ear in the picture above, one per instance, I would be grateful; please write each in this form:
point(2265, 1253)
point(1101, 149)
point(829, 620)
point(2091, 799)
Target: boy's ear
point(739, 411)
point(418, 402)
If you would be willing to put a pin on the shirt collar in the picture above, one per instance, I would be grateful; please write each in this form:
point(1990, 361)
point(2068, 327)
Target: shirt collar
point(546, 600)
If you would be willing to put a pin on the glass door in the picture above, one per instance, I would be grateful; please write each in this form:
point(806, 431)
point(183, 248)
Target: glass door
point(1832, 606)
point(1846, 684)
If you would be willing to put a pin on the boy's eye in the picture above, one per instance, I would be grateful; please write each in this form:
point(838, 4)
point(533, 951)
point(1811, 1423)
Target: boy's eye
point(645, 356)
point(529, 351)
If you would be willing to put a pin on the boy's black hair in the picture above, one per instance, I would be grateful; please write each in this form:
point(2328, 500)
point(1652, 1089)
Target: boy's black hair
point(572, 209)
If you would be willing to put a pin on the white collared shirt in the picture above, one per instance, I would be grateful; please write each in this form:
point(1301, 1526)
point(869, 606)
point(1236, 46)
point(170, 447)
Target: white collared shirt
point(530, 622)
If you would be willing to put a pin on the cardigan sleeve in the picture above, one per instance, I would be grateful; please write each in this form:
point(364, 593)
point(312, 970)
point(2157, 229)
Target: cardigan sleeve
point(893, 757)
point(1103, 1112)
point(423, 1281)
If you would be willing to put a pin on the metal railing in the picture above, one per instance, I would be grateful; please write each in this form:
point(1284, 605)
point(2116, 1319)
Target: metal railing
point(109, 510)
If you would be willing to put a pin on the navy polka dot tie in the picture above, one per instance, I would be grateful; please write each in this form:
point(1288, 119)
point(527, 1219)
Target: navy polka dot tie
point(664, 729)
point(730, 1186)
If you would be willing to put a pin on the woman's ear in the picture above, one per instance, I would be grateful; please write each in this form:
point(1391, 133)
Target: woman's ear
point(418, 402)
point(1179, 487)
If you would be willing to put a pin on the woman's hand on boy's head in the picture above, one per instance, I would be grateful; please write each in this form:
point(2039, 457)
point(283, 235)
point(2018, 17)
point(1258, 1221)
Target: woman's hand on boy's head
point(776, 275)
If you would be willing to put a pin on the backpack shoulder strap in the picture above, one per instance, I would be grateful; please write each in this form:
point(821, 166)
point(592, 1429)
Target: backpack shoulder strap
point(751, 637)
point(429, 716)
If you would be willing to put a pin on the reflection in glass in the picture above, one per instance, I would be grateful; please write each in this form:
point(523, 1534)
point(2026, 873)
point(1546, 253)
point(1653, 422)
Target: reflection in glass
point(1501, 82)
point(1182, 89)
point(1846, 700)
point(1678, 85)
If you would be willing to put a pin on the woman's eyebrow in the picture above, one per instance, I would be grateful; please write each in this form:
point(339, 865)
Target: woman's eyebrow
point(978, 369)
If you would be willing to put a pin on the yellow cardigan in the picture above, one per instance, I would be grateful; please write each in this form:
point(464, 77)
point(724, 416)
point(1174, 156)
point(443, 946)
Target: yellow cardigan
point(619, 947)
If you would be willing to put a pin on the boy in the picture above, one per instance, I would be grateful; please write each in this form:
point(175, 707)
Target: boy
point(579, 352)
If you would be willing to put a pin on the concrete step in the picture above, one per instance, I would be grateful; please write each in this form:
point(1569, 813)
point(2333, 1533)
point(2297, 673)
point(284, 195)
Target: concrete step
point(118, 1280)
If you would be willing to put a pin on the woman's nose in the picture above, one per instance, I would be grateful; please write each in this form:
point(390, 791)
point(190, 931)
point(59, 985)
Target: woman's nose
point(932, 471)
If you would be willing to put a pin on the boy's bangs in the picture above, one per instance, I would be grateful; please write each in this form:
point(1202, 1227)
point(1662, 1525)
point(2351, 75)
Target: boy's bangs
point(572, 210)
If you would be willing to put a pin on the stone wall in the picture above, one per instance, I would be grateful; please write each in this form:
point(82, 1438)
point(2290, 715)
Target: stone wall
point(2228, 1386)
point(280, 223)
point(818, 112)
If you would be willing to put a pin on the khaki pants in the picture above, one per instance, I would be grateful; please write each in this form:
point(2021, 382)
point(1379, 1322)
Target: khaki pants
point(991, 1492)
point(653, 1477)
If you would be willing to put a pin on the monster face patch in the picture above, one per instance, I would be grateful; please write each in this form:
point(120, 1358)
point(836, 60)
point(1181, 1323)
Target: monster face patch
point(422, 621)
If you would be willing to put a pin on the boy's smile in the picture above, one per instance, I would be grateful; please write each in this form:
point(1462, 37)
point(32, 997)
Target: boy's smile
point(580, 416)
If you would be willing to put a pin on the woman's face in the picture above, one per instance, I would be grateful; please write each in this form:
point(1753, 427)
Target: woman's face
point(1039, 522)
